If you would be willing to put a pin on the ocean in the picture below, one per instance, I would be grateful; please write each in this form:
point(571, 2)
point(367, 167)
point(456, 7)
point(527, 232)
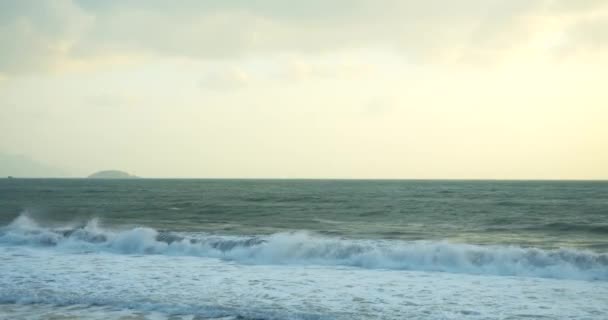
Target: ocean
point(303, 249)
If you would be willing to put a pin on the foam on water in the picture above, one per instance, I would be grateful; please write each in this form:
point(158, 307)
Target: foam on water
point(302, 248)
point(35, 282)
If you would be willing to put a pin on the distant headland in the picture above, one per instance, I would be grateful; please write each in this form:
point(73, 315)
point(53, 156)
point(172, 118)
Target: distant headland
point(112, 174)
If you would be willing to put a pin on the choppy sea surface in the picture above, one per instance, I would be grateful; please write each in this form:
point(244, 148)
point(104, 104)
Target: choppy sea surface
point(303, 249)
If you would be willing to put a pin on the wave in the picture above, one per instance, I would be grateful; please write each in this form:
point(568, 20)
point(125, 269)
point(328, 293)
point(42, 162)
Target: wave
point(591, 228)
point(565, 227)
point(82, 307)
point(303, 248)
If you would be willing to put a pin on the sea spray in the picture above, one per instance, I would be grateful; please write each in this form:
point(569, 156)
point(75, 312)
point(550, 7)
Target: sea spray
point(305, 248)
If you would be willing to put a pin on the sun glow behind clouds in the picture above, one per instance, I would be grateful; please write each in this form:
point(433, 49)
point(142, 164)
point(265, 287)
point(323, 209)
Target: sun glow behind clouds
point(397, 89)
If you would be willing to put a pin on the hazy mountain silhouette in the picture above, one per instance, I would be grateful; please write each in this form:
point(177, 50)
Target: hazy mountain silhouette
point(23, 166)
point(111, 174)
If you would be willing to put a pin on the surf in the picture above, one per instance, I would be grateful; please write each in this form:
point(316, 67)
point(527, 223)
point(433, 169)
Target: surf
point(306, 248)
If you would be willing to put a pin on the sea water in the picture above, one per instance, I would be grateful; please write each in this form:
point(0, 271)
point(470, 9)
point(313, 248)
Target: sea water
point(303, 249)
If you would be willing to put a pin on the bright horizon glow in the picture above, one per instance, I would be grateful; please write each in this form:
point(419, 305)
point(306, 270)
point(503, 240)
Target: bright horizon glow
point(472, 89)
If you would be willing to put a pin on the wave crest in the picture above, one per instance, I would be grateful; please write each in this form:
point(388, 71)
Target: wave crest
point(303, 248)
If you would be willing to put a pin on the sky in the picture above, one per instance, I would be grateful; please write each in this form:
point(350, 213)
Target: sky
point(389, 89)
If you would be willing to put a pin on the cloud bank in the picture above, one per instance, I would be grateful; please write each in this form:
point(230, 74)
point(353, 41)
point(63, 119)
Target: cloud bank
point(40, 36)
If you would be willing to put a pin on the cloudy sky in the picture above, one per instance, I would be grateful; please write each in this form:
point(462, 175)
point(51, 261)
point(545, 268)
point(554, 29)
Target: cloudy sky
point(501, 89)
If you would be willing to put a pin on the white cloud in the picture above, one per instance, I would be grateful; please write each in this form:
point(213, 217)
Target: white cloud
point(38, 36)
point(109, 100)
point(226, 79)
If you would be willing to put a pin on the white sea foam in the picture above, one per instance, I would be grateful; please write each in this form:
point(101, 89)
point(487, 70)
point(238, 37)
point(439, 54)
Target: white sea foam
point(36, 283)
point(302, 248)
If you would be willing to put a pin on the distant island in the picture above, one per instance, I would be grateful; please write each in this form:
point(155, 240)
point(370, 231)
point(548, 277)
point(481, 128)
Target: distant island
point(111, 174)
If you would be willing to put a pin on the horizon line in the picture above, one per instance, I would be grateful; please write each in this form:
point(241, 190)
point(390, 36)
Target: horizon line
point(318, 179)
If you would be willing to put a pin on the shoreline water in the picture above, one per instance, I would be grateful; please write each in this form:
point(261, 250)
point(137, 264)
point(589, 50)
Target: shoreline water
point(177, 249)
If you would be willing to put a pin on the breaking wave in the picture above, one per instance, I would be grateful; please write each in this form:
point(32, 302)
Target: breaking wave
point(303, 248)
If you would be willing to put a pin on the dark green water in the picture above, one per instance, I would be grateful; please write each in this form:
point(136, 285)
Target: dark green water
point(224, 249)
point(545, 214)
